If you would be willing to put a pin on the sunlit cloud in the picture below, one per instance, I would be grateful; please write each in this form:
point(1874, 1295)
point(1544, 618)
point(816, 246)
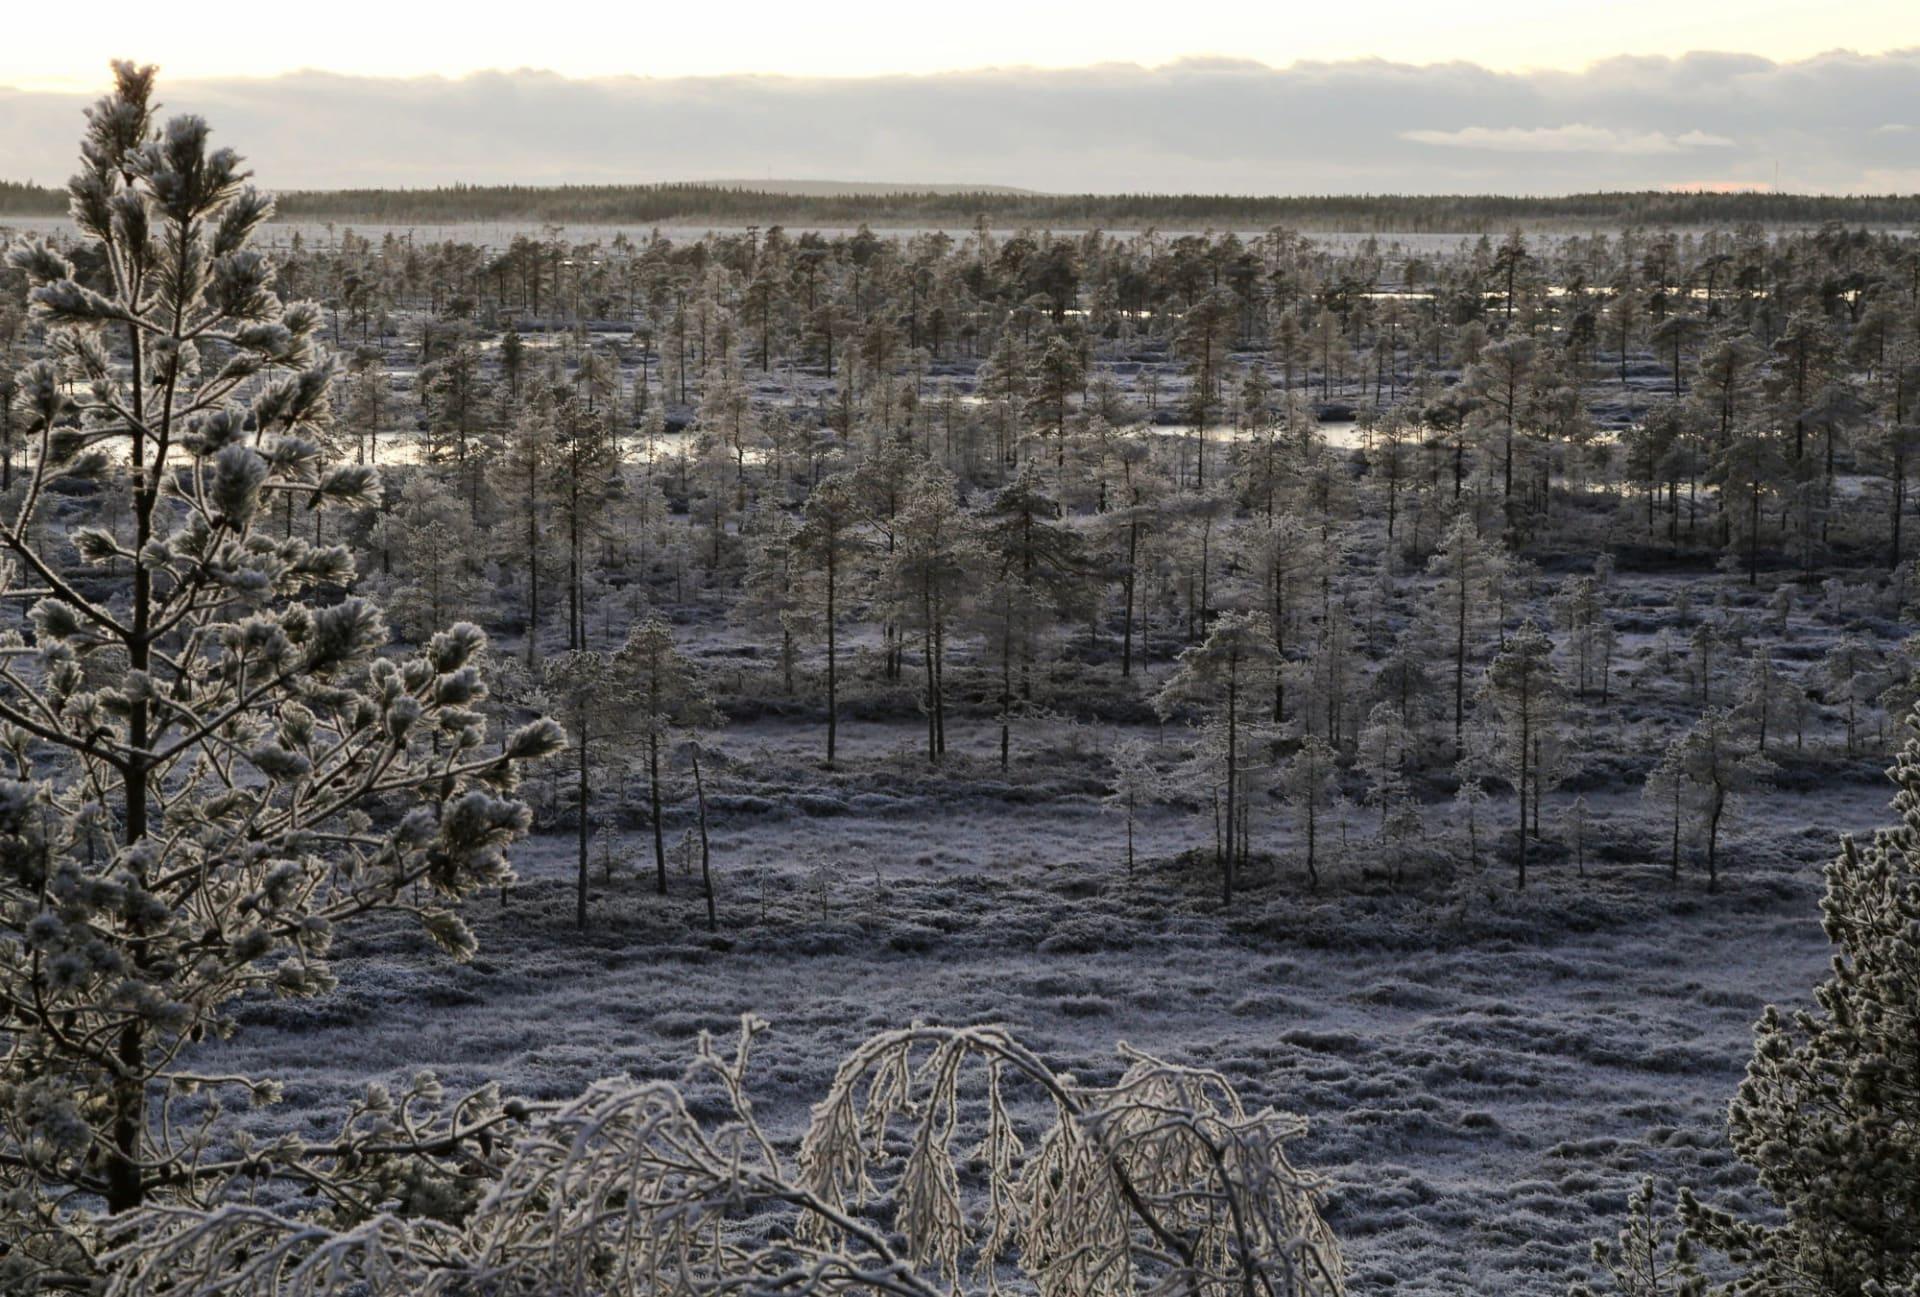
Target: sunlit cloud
point(1577, 138)
point(1720, 187)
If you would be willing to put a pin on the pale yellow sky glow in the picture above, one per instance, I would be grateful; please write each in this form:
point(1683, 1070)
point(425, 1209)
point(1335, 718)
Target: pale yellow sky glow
point(53, 46)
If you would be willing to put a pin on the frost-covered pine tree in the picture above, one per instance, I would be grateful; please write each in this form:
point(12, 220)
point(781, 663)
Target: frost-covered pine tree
point(1717, 762)
point(1404, 679)
point(1829, 1113)
point(519, 476)
point(1136, 781)
point(1221, 673)
point(588, 696)
point(1307, 784)
point(1327, 685)
point(1577, 825)
point(830, 543)
point(1851, 670)
point(770, 596)
point(1766, 700)
point(1034, 557)
point(433, 543)
point(1011, 617)
point(926, 577)
point(1648, 1257)
point(583, 474)
point(1382, 755)
point(1665, 790)
point(1467, 799)
point(1524, 690)
point(1705, 650)
point(1581, 606)
point(660, 690)
point(1465, 567)
point(213, 762)
point(1402, 835)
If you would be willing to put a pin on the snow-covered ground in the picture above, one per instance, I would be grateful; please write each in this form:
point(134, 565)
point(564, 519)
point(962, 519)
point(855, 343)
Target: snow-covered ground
point(1486, 1072)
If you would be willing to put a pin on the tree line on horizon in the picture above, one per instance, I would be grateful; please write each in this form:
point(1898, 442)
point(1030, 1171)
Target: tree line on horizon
point(695, 202)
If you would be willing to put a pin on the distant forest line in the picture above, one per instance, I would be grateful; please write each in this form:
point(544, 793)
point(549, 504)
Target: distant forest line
point(734, 205)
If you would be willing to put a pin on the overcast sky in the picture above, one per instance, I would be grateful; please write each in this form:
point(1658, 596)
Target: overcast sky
point(1364, 95)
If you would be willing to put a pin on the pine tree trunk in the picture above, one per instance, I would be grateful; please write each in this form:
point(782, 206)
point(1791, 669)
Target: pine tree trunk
point(126, 1183)
point(939, 681)
point(653, 807)
point(926, 618)
point(706, 849)
point(1526, 725)
point(833, 664)
point(1713, 842)
point(1673, 859)
point(1006, 678)
point(1313, 870)
point(1233, 773)
point(1460, 672)
point(533, 573)
point(580, 899)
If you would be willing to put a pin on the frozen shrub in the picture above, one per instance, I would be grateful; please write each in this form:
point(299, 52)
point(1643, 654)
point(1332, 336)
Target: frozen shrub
point(913, 1179)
